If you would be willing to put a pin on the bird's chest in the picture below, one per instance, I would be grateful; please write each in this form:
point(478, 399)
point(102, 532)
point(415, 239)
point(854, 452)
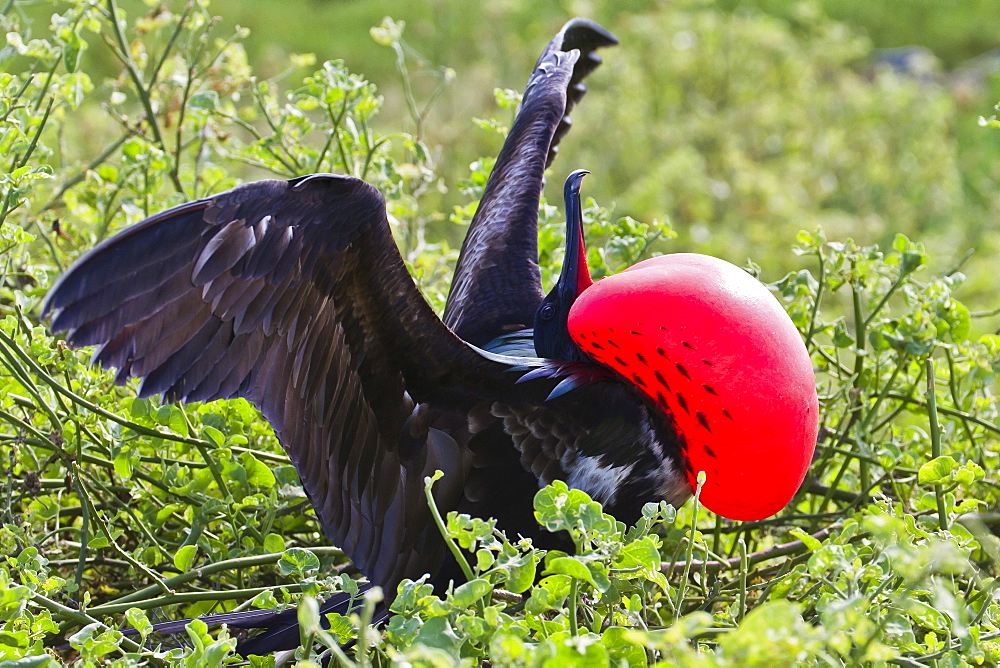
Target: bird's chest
point(611, 449)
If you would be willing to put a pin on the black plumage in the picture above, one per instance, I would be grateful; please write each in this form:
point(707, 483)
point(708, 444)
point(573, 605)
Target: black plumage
point(294, 296)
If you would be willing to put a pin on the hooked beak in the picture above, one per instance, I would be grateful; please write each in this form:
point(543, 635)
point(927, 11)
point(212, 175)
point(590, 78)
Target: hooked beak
point(551, 334)
point(575, 275)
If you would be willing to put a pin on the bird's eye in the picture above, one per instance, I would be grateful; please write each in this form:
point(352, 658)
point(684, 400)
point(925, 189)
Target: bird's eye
point(548, 310)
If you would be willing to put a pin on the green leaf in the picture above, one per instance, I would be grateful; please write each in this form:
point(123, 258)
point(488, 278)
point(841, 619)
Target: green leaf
point(960, 321)
point(469, 531)
point(584, 650)
point(937, 470)
point(13, 599)
point(968, 473)
point(258, 473)
point(98, 542)
point(123, 464)
point(206, 100)
point(389, 32)
point(274, 543)
point(207, 651)
point(550, 594)
point(568, 566)
point(265, 600)
point(811, 543)
point(214, 436)
point(484, 560)
point(924, 614)
point(593, 572)
point(520, 569)
point(95, 640)
point(73, 48)
point(308, 615)
point(841, 338)
point(559, 508)
point(622, 648)
point(438, 633)
point(173, 418)
point(789, 640)
point(137, 619)
point(184, 558)
point(297, 561)
point(341, 627)
point(140, 408)
point(642, 553)
point(465, 595)
point(43, 509)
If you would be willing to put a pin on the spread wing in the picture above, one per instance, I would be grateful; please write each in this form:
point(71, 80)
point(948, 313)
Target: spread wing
point(293, 295)
point(497, 287)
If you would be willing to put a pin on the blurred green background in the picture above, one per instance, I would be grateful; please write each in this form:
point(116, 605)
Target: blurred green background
point(740, 121)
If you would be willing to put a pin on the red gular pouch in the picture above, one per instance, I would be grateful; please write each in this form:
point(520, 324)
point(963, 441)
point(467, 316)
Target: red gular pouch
point(718, 354)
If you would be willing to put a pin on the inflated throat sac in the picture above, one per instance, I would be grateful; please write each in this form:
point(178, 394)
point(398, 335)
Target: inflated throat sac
point(713, 348)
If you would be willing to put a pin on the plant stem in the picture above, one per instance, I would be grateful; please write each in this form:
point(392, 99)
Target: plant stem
point(860, 325)
point(141, 89)
point(103, 526)
point(211, 569)
point(814, 311)
point(574, 599)
point(935, 441)
point(455, 550)
point(36, 369)
point(63, 612)
point(679, 606)
point(189, 597)
point(744, 566)
point(753, 558)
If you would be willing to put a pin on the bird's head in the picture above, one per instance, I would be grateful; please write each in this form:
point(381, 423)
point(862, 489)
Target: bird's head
point(713, 349)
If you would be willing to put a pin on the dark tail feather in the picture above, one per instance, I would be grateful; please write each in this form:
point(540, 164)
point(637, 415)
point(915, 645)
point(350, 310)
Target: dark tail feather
point(283, 632)
point(279, 630)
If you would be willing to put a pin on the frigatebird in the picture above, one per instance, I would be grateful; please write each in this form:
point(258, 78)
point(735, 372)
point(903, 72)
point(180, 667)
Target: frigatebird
point(293, 295)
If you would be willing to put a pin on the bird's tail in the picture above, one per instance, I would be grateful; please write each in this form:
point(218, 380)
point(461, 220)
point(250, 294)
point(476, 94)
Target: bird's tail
point(274, 631)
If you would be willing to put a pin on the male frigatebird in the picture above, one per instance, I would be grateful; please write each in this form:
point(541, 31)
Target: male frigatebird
point(294, 295)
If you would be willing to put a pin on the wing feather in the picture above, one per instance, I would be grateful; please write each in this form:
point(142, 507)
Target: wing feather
point(497, 285)
point(222, 251)
point(292, 295)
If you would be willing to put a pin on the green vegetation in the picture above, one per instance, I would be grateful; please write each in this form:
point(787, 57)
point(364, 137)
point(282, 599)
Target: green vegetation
point(742, 127)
